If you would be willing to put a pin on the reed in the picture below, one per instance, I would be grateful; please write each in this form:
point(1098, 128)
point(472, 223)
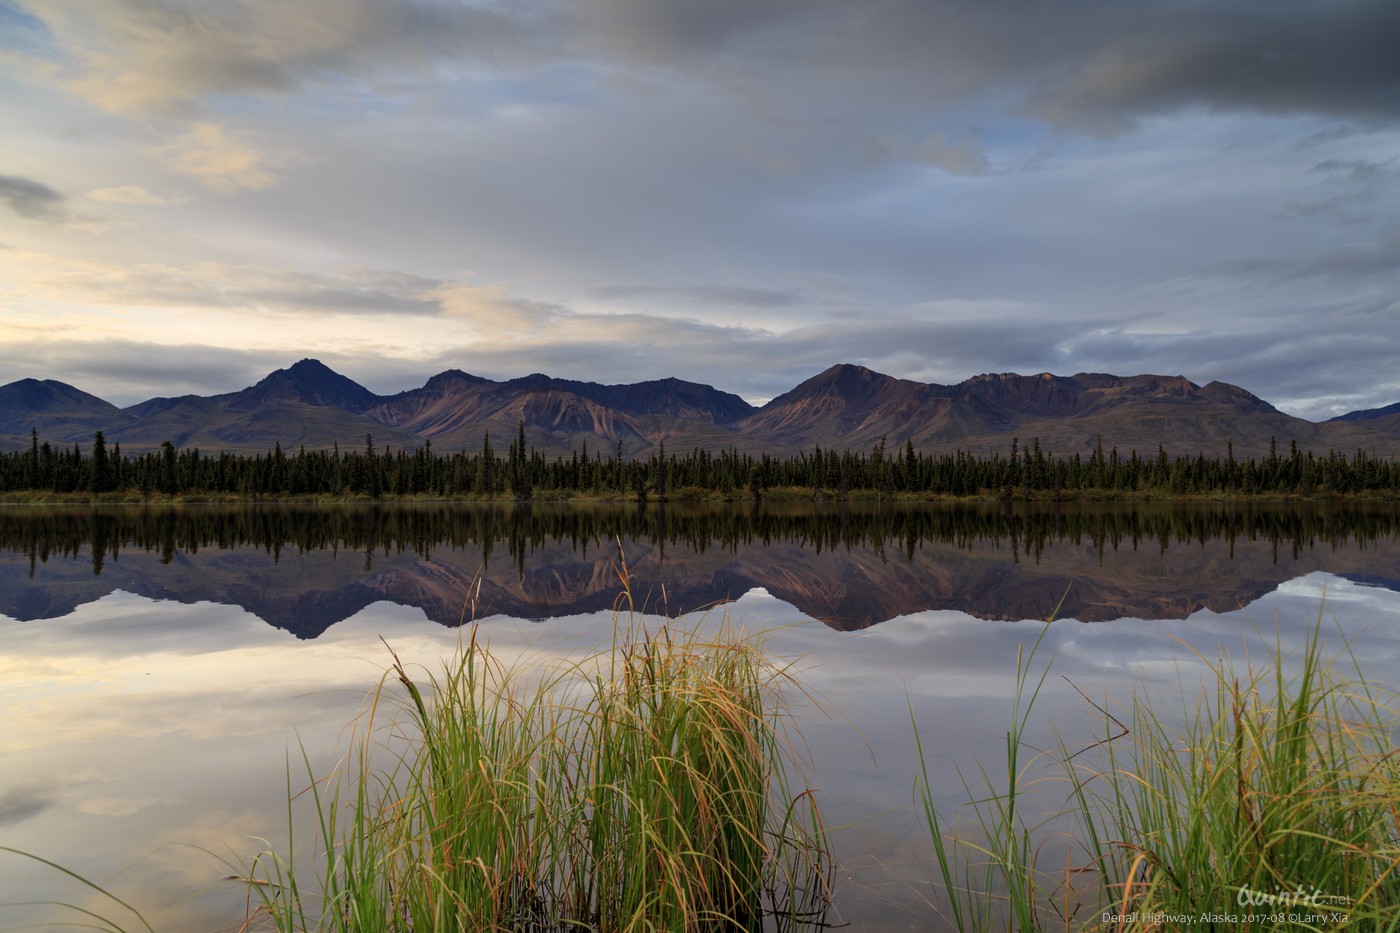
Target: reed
point(645, 788)
point(1276, 805)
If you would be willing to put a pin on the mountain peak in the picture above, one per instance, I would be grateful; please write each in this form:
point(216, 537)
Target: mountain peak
point(48, 391)
point(50, 405)
point(308, 382)
point(835, 399)
point(847, 405)
point(846, 377)
point(849, 371)
point(1232, 395)
point(1369, 414)
point(450, 377)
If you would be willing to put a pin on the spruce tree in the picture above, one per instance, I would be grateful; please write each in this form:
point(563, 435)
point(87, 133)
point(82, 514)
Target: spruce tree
point(99, 478)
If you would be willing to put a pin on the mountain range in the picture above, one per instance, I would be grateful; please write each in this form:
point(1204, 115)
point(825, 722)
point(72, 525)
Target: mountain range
point(847, 406)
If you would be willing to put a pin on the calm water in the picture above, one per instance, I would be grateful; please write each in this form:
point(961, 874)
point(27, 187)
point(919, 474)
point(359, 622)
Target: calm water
point(158, 668)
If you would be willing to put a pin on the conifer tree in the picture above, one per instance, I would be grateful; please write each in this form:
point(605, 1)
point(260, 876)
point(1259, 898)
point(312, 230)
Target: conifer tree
point(100, 478)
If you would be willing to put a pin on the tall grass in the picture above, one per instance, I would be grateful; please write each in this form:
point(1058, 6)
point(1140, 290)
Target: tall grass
point(645, 788)
point(1276, 805)
point(81, 917)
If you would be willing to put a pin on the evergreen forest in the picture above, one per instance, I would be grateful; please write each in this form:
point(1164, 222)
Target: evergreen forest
point(524, 473)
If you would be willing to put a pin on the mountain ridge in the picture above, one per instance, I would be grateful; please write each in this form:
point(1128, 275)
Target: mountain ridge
point(844, 406)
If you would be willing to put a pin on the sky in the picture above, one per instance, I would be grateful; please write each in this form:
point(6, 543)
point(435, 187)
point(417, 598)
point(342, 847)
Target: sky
point(194, 193)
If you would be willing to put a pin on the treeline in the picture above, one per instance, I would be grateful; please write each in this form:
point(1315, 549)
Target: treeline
point(525, 473)
point(519, 530)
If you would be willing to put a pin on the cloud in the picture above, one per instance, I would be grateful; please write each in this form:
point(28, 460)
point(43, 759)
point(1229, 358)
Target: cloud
point(1174, 186)
point(495, 314)
point(1352, 262)
point(19, 802)
point(956, 155)
point(278, 314)
point(1091, 64)
point(1335, 59)
point(659, 31)
point(163, 59)
point(1305, 360)
point(1367, 174)
point(32, 199)
point(1352, 189)
point(348, 291)
point(960, 156)
point(209, 285)
point(132, 194)
point(220, 159)
point(735, 296)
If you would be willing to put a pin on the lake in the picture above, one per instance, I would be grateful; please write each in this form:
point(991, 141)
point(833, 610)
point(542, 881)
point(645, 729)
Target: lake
point(163, 670)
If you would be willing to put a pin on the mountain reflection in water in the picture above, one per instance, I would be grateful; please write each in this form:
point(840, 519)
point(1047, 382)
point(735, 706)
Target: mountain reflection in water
point(305, 568)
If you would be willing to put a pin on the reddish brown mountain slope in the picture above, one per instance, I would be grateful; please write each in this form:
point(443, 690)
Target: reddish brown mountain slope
point(844, 407)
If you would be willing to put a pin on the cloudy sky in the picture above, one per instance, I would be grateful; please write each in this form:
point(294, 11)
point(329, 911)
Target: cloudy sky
point(737, 192)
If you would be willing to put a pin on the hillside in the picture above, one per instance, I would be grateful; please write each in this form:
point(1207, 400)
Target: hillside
point(844, 407)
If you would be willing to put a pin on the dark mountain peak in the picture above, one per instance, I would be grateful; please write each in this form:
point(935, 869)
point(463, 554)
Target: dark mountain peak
point(1149, 382)
point(155, 406)
point(1368, 414)
point(451, 377)
point(1048, 395)
point(840, 399)
point(45, 392)
point(672, 397)
point(1041, 394)
point(53, 407)
point(844, 406)
point(308, 382)
point(1233, 395)
point(848, 373)
point(995, 382)
point(1003, 377)
point(849, 380)
point(29, 393)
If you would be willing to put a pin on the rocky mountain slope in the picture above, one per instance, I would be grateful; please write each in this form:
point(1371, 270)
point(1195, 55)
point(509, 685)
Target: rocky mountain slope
point(846, 406)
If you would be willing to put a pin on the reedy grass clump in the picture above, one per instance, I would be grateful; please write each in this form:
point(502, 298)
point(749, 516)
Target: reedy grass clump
point(1275, 806)
point(642, 789)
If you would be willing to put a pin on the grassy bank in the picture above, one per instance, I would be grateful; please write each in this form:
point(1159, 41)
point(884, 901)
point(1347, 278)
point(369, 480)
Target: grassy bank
point(1276, 806)
point(642, 789)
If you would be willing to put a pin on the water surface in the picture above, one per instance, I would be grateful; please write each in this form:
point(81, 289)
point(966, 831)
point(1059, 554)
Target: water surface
point(158, 667)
